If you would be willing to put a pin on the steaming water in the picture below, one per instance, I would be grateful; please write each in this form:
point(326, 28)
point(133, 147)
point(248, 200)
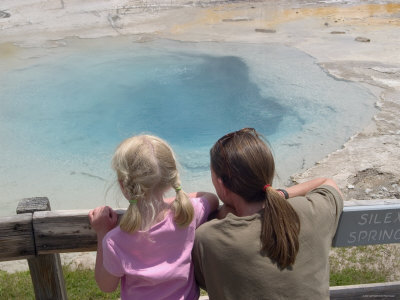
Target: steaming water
point(63, 113)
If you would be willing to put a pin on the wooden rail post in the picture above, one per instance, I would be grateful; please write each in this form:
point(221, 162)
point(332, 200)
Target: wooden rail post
point(46, 270)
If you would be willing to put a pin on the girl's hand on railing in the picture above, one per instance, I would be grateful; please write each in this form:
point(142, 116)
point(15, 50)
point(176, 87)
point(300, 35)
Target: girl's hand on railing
point(103, 219)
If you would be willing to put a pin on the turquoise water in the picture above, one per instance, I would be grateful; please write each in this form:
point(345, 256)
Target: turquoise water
point(63, 113)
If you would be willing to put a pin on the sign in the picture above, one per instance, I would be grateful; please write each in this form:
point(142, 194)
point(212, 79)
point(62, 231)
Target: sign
point(368, 225)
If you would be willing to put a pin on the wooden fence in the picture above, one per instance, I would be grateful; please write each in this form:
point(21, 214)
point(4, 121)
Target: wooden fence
point(38, 234)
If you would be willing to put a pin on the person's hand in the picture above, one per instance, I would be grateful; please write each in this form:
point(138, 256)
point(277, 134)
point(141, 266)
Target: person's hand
point(103, 219)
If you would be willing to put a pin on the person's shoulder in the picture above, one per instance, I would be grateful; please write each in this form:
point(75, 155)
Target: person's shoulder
point(321, 203)
point(207, 231)
point(114, 233)
point(332, 197)
point(321, 193)
point(200, 203)
point(326, 190)
point(210, 225)
point(215, 226)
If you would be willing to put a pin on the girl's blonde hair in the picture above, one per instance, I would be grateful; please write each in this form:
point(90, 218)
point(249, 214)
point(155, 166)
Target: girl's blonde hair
point(146, 168)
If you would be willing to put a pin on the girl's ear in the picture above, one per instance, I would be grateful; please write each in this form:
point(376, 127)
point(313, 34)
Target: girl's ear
point(220, 182)
point(224, 191)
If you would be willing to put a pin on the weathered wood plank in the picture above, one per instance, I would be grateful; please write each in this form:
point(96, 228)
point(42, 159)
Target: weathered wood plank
point(46, 270)
point(387, 290)
point(30, 205)
point(384, 291)
point(16, 237)
point(64, 231)
point(47, 277)
point(369, 223)
point(364, 223)
point(372, 202)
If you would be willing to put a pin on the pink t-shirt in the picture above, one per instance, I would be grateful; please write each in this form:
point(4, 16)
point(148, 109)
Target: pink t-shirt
point(156, 264)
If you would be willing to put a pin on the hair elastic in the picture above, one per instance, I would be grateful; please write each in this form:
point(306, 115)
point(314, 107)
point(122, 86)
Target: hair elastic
point(133, 201)
point(177, 189)
point(266, 187)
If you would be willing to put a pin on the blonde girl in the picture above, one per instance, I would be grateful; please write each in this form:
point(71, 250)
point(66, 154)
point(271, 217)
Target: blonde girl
point(149, 252)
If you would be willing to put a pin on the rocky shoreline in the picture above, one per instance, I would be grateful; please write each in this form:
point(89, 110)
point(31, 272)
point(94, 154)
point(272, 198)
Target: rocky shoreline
point(356, 42)
point(367, 167)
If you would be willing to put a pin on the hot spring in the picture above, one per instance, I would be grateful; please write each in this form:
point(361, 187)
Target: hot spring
point(64, 110)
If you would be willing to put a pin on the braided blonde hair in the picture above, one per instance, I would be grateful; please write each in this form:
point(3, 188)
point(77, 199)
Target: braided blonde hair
point(146, 167)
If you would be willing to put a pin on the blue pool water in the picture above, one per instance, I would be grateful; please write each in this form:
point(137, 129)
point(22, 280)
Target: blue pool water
point(64, 110)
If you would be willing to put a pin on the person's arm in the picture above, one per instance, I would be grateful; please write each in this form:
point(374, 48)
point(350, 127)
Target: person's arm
point(211, 198)
point(102, 220)
point(303, 188)
point(198, 259)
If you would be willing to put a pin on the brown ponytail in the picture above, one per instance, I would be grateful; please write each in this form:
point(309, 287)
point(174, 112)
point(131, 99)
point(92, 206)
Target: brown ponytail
point(245, 164)
point(280, 230)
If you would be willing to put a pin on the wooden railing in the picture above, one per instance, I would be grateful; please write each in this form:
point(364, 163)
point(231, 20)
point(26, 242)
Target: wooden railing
point(38, 234)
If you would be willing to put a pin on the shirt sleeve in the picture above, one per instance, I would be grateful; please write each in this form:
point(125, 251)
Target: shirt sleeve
point(327, 198)
point(111, 261)
point(201, 210)
point(197, 255)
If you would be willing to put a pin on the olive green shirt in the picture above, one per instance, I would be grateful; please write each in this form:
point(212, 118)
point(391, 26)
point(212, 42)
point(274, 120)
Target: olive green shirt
point(228, 263)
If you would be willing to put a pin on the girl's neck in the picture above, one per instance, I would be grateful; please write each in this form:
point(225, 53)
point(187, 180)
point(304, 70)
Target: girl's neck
point(244, 208)
point(161, 209)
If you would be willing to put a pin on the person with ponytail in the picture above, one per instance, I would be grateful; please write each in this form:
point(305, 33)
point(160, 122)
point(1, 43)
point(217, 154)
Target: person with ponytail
point(267, 243)
point(149, 252)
